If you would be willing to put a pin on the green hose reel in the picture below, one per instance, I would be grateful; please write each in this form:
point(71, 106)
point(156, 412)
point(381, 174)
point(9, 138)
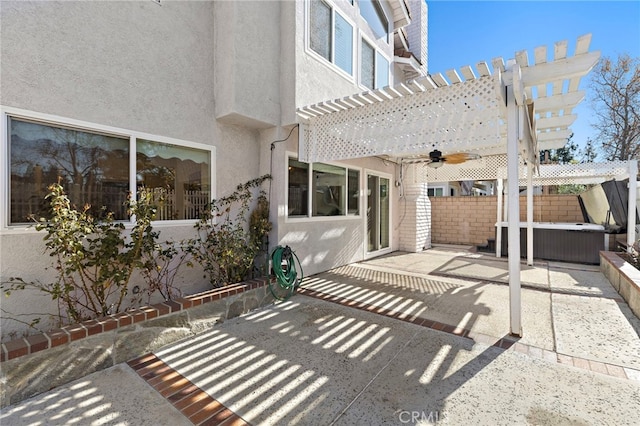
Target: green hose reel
point(283, 264)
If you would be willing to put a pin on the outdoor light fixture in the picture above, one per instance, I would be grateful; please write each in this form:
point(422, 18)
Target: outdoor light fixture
point(436, 164)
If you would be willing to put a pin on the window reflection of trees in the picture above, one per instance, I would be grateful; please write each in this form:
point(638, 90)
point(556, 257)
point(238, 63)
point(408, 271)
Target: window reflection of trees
point(180, 187)
point(92, 168)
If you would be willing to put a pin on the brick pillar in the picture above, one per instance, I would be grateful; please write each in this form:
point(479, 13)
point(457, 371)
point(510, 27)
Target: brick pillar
point(415, 219)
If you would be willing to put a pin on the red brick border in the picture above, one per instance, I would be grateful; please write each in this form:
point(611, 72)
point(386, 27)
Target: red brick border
point(38, 342)
point(194, 403)
point(505, 343)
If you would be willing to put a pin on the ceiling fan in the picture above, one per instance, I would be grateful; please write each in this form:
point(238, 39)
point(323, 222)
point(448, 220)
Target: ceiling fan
point(436, 159)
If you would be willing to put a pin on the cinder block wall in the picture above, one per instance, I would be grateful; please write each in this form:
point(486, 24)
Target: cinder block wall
point(471, 220)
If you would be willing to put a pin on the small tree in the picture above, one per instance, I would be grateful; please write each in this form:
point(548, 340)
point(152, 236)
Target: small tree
point(564, 155)
point(227, 246)
point(616, 88)
point(589, 153)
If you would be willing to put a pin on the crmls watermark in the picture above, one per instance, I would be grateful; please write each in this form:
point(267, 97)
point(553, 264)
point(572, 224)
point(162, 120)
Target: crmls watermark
point(422, 417)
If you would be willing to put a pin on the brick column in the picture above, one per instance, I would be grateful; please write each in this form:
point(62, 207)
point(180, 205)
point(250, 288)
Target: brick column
point(415, 219)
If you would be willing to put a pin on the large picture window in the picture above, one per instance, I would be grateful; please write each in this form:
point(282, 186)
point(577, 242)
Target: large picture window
point(94, 168)
point(335, 190)
point(178, 177)
point(330, 35)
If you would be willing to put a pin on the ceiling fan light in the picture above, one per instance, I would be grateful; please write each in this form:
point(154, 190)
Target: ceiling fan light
point(436, 164)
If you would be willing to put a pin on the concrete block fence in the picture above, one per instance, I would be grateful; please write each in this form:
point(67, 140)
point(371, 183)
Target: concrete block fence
point(38, 363)
point(471, 220)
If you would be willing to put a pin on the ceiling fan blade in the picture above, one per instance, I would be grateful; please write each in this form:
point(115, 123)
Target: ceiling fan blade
point(459, 157)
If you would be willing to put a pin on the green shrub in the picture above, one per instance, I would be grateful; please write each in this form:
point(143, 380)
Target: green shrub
point(94, 260)
point(226, 246)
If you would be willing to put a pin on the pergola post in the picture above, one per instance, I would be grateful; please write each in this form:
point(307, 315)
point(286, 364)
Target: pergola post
point(530, 212)
point(499, 220)
point(631, 214)
point(515, 307)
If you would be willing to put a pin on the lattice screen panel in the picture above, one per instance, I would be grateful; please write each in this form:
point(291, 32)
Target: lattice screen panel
point(561, 174)
point(449, 118)
point(495, 167)
point(485, 168)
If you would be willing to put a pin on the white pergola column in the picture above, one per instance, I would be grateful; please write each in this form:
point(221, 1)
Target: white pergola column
point(415, 229)
point(631, 213)
point(499, 220)
point(515, 308)
point(529, 212)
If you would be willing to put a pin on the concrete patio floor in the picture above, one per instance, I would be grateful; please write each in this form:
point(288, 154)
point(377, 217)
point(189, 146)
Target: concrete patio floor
point(416, 338)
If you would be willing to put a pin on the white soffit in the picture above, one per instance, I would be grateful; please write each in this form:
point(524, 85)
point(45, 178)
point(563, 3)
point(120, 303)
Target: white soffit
point(401, 14)
point(465, 113)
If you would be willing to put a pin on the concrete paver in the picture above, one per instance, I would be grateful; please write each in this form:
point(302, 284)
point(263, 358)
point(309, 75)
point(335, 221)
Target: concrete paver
point(438, 376)
point(597, 329)
point(115, 396)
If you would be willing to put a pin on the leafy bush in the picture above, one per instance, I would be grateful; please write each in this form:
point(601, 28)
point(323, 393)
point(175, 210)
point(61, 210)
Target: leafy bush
point(226, 246)
point(94, 260)
point(159, 262)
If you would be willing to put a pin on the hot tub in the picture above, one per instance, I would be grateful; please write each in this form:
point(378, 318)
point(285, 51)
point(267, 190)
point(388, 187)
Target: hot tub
point(566, 242)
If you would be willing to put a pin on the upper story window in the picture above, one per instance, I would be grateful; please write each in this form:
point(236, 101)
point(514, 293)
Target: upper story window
point(372, 12)
point(374, 68)
point(330, 35)
point(95, 168)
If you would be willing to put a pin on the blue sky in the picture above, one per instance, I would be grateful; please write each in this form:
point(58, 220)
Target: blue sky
point(467, 32)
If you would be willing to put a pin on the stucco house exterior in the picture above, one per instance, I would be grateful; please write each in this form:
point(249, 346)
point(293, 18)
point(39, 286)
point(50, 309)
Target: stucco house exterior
point(193, 98)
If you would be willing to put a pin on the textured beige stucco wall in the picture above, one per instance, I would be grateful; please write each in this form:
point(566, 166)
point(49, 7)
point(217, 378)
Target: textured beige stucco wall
point(133, 65)
point(247, 62)
point(316, 79)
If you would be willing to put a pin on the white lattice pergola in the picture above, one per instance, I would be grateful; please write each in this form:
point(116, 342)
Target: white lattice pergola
point(467, 113)
point(509, 113)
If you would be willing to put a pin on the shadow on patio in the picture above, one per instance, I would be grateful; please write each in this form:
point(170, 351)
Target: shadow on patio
point(385, 342)
point(309, 362)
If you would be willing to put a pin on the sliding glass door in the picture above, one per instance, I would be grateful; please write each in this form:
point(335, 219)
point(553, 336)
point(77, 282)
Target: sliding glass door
point(378, 216)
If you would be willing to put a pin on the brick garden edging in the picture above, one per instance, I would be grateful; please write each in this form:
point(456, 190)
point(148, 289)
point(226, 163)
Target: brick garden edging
point(43, 361)
point(624, 277)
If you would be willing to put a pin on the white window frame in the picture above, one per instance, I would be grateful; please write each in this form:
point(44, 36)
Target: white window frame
point(435, 188)
point(331, 63)
point(310, 217)
point(54, 120)
point(389, 20)
point(376, 51)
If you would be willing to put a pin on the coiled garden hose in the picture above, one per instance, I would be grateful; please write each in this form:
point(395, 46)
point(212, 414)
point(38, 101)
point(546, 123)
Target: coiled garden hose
point(283, 263)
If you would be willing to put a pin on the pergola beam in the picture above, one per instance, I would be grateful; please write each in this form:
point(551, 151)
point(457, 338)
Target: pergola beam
point(557, 102)
point(563, 122)
point(548, 136)
point(576, 66)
